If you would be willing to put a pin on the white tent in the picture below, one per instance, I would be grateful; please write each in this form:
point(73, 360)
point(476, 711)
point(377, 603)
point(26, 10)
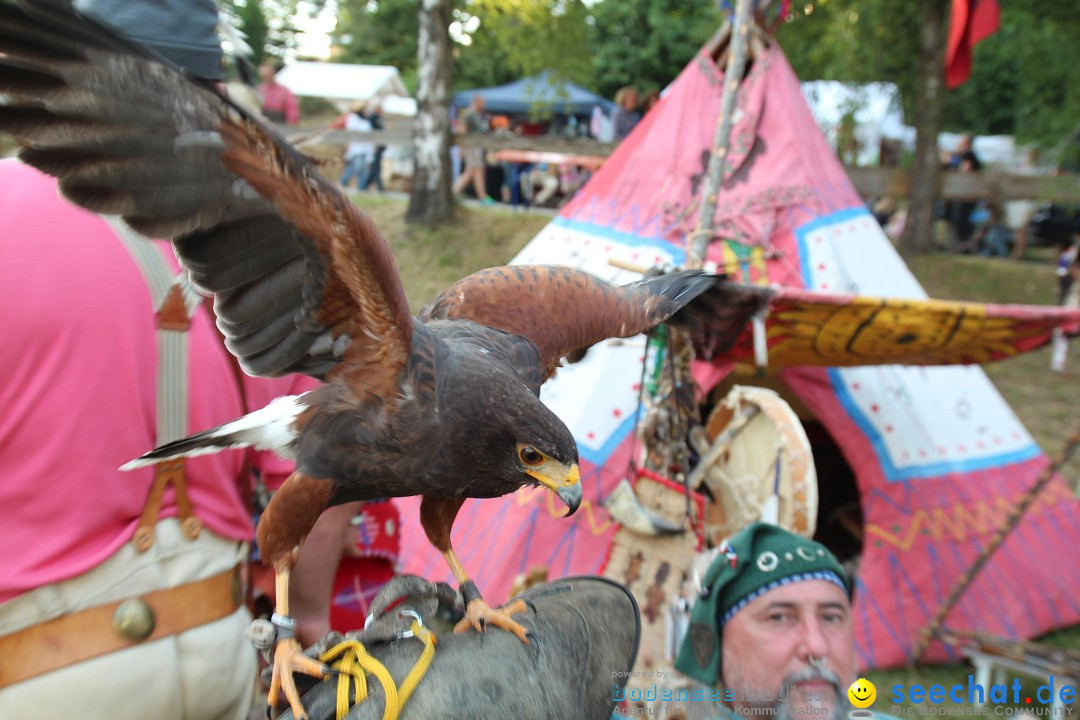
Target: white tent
point(342, 83)
point(398, 105)
point(876, 106)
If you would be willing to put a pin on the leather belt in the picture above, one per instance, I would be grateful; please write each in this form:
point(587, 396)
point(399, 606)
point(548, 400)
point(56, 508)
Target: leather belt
point(100, 630)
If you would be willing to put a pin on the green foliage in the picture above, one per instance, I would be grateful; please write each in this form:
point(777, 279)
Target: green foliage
point(855, 41)
point(485, 61)
point(254, 26)
point(646, 42)
point(495, 41)
point(268, 24)
point(1023, 79)
point(532, 36)
point(379, 33)
point(1022, 82)
point(602, 46)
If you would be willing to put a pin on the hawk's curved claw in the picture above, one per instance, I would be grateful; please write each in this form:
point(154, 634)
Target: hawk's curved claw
point(289, 658)
point(479, 615)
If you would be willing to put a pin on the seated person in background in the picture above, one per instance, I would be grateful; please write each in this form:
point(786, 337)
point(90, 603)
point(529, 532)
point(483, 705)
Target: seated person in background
point(571, 178)
point(775, 628)
point(542, 176)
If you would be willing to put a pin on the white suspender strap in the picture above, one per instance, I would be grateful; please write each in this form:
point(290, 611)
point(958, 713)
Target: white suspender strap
point(175, 302)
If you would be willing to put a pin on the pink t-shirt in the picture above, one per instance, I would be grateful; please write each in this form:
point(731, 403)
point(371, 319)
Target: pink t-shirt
point(278, 98)
point(78, 392)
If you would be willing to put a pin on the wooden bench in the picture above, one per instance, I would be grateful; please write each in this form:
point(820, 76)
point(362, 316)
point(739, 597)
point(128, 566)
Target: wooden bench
point(990, 666)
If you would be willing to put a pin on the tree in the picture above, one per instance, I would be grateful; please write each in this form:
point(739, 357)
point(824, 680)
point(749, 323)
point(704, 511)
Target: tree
point(880, 40)
point(430, 201)
point(646, 42)
point(929, 104)
point(380, 33)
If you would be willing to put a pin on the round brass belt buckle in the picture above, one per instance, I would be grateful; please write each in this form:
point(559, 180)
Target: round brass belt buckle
point(134, 619)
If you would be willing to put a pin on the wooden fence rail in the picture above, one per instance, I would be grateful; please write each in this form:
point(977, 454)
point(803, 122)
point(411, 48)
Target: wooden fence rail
point(869, 181)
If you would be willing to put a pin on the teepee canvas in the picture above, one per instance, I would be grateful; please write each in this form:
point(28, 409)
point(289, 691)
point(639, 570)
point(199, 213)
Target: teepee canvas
point(937, 455)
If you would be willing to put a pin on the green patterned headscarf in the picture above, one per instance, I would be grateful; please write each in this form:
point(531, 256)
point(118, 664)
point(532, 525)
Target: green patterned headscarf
point(753, 562)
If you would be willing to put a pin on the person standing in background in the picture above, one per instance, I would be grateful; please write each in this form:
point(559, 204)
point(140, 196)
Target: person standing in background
point(359, 155)
point(474, 122)
point(964, 160)
point(374, 171)
point(278, 103)
point(1068, 276)
point(626, 115)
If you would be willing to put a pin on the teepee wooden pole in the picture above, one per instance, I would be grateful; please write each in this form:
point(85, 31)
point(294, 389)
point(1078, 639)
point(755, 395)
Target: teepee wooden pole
point(1011, 521)
point(736, 65)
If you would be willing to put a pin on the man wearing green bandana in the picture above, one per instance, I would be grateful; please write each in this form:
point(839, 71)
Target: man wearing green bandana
point(774, 626)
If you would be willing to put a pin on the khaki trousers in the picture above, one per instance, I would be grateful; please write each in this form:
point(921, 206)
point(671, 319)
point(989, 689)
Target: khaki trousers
point(206, 673)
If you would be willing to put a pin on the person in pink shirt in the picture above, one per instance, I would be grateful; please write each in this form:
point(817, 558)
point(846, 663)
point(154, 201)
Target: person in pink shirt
point(78, 386)
point(121, 593)
point(278, 103)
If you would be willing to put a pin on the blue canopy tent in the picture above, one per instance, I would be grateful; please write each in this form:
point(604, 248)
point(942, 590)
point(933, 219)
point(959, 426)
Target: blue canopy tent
point(524, 95)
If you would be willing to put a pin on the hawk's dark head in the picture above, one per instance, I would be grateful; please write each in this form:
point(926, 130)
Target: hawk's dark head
point(546, 453)
point(505, 434)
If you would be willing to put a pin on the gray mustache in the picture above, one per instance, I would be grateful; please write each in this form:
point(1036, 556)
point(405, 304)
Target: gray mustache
point(816, 674)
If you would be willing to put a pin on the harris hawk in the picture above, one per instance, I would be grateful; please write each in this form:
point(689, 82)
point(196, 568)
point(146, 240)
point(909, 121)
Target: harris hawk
point(444, 405)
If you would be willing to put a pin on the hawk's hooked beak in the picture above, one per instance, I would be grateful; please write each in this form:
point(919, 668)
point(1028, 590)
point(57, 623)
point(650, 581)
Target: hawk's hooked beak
point(561, 480)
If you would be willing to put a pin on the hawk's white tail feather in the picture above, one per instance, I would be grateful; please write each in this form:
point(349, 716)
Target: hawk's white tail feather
point(270, 428)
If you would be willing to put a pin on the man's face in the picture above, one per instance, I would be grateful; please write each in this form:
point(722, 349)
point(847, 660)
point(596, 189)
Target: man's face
point(768, 646)
point(266, 73)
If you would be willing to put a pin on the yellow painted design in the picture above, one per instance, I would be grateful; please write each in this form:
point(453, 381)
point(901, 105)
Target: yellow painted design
point(963, 522)
point(528, 494)
point(870, 331)
point(749, 267)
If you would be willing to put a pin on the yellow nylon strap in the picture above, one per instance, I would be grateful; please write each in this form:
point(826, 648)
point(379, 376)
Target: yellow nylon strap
point(422, 663)
point(352, 661)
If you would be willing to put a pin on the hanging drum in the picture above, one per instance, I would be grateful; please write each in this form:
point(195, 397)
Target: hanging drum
point(761, 468)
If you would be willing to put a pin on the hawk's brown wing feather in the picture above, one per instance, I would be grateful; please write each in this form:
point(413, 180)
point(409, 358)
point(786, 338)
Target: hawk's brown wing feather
point(303, 280)
point(563, 309)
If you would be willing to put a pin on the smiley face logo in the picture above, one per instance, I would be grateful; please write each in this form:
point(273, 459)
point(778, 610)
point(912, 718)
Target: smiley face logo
point(862, 693)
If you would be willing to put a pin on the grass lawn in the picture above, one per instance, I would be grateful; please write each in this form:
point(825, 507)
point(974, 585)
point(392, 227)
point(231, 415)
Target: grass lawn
point(430, 260)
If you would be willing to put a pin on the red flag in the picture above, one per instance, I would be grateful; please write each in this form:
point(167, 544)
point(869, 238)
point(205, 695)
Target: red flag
point(972, 22)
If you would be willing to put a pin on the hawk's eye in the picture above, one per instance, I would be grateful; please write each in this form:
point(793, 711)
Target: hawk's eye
point(530, 455)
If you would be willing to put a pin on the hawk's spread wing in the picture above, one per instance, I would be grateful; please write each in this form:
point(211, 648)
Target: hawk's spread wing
point(563, 309)
point(303, 280)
